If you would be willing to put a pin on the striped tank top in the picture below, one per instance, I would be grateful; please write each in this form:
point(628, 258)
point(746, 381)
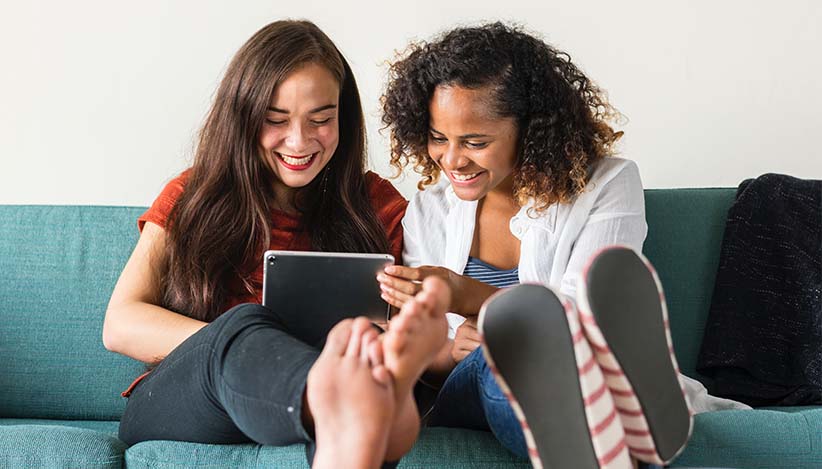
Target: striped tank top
point(491, 275)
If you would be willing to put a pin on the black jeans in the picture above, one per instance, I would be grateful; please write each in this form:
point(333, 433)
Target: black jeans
point(240, 379)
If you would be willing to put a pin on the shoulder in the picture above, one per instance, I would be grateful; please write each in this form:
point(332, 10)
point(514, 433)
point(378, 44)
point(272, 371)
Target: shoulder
point(614, 169)
point(175, 186)
point(614, 177)
point(434, 201)
point(385, 198)
point(161, 207)
point(378, 187)
point(615, 186)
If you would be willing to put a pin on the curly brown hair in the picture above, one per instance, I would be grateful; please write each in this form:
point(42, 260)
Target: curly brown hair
point(562, 116)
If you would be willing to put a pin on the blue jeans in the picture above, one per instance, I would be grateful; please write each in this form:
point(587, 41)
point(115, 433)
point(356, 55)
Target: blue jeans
point(471, 398)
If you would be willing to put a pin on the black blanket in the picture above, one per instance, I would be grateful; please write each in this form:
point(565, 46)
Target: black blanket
point(763, 338)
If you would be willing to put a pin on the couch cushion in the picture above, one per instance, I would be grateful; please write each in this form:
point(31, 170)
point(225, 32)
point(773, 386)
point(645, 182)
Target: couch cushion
point(685, 228)
point(106, 427)
point(182, 455)
point(437, 447)
point(460, 449)
point(58, 266)
point(767, 439)
point(57, 446)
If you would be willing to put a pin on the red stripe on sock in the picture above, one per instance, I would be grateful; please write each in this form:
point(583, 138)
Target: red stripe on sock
point(578, 337)
point(587, 319)
point(602, 426)
point(651, 451)
point(633, 432)
point(622, 393)
point(629, 412)
point(596, 395)
point(613, 453)
point(588, 366)
point(611, 371)
point(600, 348)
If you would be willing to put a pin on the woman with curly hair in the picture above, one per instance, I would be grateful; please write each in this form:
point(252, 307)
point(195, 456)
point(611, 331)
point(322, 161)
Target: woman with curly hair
point(574, 372)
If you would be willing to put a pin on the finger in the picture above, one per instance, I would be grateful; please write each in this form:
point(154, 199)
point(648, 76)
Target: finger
point(408, 273)
point(463, 343)
point(391, 300)
point(397, 295)
point(470, 345)
point(460, 355)
point(472, 335)
point(405, 286)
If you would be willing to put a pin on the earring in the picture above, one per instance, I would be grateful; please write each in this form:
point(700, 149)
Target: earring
point(325, 179)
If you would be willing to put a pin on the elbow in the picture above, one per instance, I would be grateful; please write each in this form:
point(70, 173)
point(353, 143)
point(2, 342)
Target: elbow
point(111, 338)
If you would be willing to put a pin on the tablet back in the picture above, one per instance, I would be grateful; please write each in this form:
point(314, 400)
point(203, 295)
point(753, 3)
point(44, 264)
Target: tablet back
point(313, 291)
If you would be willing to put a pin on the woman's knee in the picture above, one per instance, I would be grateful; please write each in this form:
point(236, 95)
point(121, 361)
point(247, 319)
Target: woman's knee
point(235, 321)
point(243, 315)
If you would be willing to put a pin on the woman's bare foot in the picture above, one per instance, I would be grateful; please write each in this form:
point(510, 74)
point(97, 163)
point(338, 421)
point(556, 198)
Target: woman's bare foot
point(351, 396)
point(416, 335)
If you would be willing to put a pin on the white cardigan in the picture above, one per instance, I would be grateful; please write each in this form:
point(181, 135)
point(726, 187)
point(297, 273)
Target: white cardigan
point(555, 246)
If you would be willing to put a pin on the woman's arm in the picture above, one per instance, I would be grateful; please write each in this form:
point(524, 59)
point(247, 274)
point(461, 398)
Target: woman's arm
point(134, 325)
point(399, 284)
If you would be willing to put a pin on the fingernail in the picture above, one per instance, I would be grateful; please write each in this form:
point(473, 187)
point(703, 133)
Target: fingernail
point(381, 277)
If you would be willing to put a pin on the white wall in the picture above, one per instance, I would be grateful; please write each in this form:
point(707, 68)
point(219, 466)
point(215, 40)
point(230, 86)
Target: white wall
point(100, 100)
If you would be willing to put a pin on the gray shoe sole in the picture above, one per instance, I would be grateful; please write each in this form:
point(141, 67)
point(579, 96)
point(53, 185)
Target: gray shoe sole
point(626, 303)
point(527, 340)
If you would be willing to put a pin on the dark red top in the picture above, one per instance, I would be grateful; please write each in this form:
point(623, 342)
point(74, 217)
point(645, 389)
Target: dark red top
point(286, 233)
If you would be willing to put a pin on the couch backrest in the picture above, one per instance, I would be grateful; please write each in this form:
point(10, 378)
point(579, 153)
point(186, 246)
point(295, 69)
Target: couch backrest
point(58, 266)
point(685, 229)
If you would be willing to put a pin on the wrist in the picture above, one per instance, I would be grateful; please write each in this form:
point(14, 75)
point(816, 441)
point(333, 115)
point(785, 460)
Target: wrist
point(478, 295)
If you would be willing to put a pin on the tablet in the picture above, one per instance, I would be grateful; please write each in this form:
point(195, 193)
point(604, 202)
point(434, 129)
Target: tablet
point(313, 291)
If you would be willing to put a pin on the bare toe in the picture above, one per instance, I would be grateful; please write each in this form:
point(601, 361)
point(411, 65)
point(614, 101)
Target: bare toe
point(439, 290)
point(382, 375)
point(375, 356)
point(358, 328)
point(368, 339)
point(338, 338)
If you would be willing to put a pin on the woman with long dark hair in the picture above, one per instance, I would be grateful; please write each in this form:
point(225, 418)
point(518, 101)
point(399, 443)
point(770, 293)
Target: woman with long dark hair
point(280, 164)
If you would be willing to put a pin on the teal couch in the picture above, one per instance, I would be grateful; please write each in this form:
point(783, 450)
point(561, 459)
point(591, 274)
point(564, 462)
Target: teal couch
point(60, 389)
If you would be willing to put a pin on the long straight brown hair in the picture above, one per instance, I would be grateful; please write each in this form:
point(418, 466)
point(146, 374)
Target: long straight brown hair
point(221, 224)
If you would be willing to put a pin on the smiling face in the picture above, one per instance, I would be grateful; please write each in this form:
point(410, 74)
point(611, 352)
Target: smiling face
point(475, 149)
point(301, 128)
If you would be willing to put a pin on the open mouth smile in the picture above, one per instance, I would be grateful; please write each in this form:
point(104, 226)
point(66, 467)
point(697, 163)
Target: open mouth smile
point(296, 163)
point(465, 178)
